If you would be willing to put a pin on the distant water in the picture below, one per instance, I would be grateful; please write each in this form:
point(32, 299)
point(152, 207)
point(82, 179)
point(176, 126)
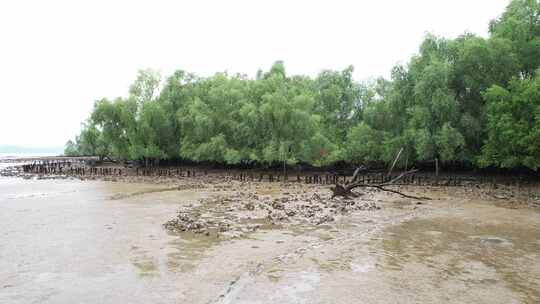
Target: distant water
point(28, 151)
point(6, 157)
point(26, 155)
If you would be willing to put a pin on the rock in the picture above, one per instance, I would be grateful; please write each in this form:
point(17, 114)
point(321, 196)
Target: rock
point(222, 227)
point(324, 219)
point(277, 216)
point(290, 212)
point(278, 205)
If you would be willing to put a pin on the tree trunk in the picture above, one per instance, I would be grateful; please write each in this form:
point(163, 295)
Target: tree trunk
point(406, 161)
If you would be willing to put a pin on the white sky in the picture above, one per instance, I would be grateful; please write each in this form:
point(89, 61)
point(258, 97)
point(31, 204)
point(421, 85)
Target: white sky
point(57, 57)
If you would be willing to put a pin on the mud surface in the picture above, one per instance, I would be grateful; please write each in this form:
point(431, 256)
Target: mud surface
point(66, 241)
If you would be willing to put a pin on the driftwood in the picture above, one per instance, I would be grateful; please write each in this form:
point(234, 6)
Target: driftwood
point(345, 190)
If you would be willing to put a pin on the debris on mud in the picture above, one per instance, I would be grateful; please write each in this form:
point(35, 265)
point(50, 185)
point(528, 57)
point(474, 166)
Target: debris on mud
point(247, 211)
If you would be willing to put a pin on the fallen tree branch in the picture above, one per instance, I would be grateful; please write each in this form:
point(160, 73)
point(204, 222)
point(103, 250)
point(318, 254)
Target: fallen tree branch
point(345, 190)
point(393, 191)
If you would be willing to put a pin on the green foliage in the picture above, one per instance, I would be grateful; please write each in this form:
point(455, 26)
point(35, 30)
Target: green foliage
point(337, 102)
point(449, 141)
point(469, 99)
point(513, 125)
point(71, 149)
point(433, 114)
point(364, 144)
point(520, 26)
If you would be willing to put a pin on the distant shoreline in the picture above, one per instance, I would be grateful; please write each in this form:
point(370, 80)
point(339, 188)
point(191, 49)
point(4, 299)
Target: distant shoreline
point(30, 150)
point(10, 155)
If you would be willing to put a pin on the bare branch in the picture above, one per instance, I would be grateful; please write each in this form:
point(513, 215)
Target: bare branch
point(356, 172)
point(402, 175)
point(395, 161)
point(345, 190)
point(393, 191)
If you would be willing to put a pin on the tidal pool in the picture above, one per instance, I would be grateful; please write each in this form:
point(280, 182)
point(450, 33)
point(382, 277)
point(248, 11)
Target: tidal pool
point(66, 241)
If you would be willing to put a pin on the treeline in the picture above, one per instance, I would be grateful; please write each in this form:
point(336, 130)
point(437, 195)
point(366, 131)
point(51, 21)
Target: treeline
point(467, 100)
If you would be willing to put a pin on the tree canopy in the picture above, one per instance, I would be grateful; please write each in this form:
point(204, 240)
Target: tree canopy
point(470, 99)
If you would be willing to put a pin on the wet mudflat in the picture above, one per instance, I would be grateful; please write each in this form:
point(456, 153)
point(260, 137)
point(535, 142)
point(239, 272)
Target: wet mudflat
point(65, 241)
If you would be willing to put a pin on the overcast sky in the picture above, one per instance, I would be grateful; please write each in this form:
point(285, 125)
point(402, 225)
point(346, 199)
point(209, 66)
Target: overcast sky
point(57, 57)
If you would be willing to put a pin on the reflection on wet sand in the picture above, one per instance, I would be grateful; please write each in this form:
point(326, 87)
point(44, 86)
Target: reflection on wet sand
point(186, 251)
point(481, 252)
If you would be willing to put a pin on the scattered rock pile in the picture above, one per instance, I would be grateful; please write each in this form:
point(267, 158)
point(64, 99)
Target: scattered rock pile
point(312, 208)
point(242, 212)
point(195, 223)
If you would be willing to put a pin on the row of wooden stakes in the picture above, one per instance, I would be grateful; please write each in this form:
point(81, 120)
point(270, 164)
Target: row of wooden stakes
point(75, 169)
